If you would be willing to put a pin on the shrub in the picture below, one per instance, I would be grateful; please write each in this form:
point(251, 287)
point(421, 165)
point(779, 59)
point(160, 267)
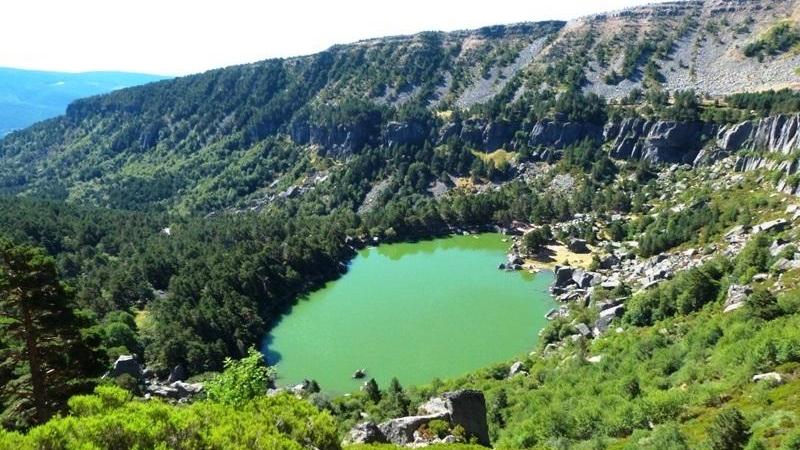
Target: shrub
point(729, 431)
point(242, 380)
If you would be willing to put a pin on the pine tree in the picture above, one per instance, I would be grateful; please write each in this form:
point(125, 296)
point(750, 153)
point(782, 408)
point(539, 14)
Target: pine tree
point(729, 431)
point(372, 391)
point(44, 357)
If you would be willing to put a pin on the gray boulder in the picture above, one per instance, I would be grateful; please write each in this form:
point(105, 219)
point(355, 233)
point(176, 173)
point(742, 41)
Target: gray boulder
point(466, 408)
point(364, 433)
point(400, 431)
point(609, 262)
point(186, 389)
point(578, 246)
point(583, 330)
point(126, 365)
point(772, 225)
point(518, 368)
point(585, 279)
point(737, 293)
point(771, 377)
point(783, 265)
point(606, 317)
point(563, 276)
point(178, 373)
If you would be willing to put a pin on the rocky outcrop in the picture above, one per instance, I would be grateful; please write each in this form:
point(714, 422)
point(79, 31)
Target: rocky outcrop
point(464, 408)
point(337, 140)
point(657, 141)
point(178, 390)
point(396, 134)
point(736, 296)
point(778, 134)
point(481, 134)
point(559, 135)
point(364, 433)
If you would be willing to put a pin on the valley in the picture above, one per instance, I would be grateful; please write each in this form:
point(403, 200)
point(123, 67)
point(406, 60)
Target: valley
point(206, 262)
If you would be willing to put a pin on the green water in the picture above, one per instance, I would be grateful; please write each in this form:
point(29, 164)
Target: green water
point(415, 311)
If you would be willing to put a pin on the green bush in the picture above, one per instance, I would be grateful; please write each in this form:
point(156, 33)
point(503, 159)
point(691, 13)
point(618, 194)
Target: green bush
point(110, 419)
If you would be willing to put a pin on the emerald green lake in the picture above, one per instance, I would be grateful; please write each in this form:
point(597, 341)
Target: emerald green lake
point(415, 311)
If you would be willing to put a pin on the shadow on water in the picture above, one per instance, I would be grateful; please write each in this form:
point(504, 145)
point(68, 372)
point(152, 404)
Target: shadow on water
point(273, 357)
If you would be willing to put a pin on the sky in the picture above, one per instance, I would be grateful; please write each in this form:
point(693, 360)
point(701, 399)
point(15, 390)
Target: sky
point(178, 37)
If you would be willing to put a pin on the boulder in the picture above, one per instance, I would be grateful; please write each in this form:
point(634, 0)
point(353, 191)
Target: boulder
point(609, 262)
point(178, 373)
point(466, 408)
point(400, 431)
point(594, 359)
point(583, 330)
point(606, 317)
point(563, 276)
point(364, 433)
point(360, 373)
point(772, 225)
point(585, 279)
point(186, 389)
point(160, 390)
point(126, 365)
point(518, 368)
point(578, 246)
point(737, 293)
point(783, 265)
point(772, 377)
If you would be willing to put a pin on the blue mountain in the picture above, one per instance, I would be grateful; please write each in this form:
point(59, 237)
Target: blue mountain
point(28, 96)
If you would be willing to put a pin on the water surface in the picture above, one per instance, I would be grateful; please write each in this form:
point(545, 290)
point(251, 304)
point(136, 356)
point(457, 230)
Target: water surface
point(416, 311)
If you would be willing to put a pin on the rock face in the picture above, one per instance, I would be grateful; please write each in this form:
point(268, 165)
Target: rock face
point(657, 141)
point(396, 134)
point(559, 135)
point(484, 135)
point(337, 140)
point(466, 408)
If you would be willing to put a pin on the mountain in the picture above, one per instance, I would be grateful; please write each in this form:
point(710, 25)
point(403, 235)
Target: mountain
point(651, 153)
point(29, 96)
point(184, 138)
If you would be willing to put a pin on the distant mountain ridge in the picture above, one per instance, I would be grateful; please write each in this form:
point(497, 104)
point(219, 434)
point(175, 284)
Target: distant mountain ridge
point(243, 134)
point(29, 96)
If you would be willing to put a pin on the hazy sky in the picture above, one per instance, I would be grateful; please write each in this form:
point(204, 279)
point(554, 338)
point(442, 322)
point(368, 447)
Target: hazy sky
point(174, 37)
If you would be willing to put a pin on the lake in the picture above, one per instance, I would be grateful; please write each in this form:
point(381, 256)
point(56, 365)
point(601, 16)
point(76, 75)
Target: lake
point(415, 311)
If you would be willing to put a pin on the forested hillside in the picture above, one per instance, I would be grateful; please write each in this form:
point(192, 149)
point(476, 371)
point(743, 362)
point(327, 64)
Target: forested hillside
point(174, 223)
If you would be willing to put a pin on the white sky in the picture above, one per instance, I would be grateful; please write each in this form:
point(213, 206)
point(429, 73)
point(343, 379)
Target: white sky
point(175, 37)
